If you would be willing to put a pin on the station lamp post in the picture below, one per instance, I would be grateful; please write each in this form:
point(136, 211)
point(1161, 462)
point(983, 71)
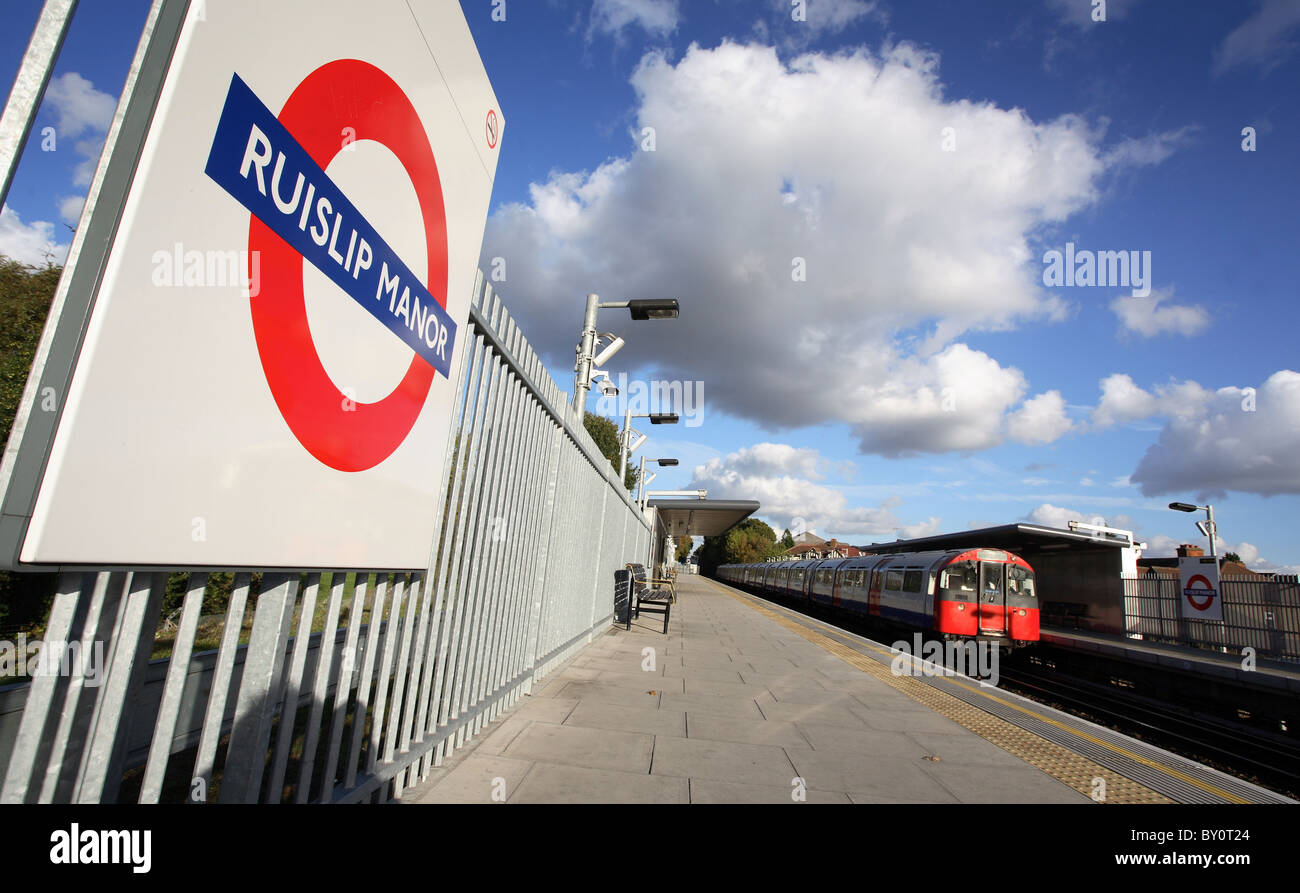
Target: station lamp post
point(642, 483)
point(625, 445)
point(1206, 527)
point(665, 308)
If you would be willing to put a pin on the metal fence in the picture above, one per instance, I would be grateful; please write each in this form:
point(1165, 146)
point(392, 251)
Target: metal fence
point(337, 687)
point(1258, 612)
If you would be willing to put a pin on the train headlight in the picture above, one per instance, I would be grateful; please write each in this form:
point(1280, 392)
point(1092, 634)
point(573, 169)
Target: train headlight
point(1022, 612)
point(961, 607)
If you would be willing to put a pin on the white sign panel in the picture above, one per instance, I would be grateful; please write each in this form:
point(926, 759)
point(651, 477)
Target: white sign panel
point(1198, 580)
point(265, 379)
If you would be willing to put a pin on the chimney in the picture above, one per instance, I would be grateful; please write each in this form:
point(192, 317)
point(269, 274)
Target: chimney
point(1189, 551)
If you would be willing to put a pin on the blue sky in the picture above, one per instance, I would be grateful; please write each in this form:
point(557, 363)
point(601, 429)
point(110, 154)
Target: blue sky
point(918, 160)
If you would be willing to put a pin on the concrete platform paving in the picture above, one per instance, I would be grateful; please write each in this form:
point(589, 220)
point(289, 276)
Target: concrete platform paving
point(728, 707)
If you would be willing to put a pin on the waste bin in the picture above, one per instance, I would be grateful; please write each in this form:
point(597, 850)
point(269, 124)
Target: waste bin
point(623, 597)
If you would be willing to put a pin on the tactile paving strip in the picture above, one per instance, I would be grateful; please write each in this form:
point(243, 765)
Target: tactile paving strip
point(1057, 761)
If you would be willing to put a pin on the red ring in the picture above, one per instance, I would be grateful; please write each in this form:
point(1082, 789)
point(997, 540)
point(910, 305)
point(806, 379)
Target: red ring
point(344, 434)
point(1209, 598)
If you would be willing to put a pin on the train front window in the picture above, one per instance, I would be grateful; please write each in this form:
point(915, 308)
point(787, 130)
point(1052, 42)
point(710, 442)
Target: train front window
point(1020, 581)
point(963, 576)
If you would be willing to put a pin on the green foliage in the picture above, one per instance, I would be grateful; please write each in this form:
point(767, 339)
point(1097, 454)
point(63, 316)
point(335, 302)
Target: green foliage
point(605, 434)
point(1233, 556)
point(684, 545)
point(216, 595)
point(749, 541)
point(25, 296)
point(787, 541)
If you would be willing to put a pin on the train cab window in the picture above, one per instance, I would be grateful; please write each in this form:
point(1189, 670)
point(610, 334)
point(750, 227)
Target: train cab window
point(911, 581)
point(1020, 581)
point(963, 576)
point(894, 581)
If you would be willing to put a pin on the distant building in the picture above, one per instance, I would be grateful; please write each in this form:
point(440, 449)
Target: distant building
point(808, 538)
point(1168, 567)
point(822, 549)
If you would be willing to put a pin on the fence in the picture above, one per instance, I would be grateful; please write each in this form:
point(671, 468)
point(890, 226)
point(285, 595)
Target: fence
point(314, 707)
point(1258, 612)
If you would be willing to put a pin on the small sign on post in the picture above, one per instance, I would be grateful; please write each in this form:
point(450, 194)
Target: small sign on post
point(1199, 587)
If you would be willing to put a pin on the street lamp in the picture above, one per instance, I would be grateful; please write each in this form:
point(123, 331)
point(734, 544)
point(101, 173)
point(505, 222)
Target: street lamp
point(1206, 527)
point(643, 482)
point(665, 308)
point(626, 448)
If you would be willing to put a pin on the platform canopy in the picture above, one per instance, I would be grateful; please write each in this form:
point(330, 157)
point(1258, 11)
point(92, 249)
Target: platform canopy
point(1023, 539)
point(701, 517)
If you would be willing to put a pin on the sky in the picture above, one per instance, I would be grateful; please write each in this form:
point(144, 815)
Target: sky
point(941, 265)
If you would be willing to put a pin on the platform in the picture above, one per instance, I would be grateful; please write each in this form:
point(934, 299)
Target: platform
point(732, 706)
point(1266, 675)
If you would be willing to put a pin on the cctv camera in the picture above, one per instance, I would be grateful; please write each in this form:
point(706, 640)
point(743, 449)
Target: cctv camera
point(607, 388)
point(615, 345)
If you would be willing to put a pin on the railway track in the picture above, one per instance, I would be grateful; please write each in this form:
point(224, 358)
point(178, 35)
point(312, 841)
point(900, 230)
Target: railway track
point(1248, 753)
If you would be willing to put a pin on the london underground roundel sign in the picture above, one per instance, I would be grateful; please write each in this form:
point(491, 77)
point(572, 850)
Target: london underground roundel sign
point(1200, 592)
point(275, 166)
point(220, 404)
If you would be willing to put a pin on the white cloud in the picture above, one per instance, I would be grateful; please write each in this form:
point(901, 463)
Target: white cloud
point(1149, 316)
point(1123, 401)
point(1162, 546)
point(1233, 440)
point(78, 107)
point(1263, 39)
point(1148, 150)
point(783, 480)
point(930, 527)
point(656, 17)
point(954, 400)
point(32, 244)
point(779, 459)
point(905, 246)
point(70, 207)
point(1048, 515)
point(1041, 420)
point(82, 116)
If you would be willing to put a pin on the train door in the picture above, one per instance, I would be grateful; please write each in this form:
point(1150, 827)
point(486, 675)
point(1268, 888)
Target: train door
point(993, 598)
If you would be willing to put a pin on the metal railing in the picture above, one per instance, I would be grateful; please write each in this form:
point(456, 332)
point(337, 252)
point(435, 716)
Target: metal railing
point(534, 523)
point(1262, 613)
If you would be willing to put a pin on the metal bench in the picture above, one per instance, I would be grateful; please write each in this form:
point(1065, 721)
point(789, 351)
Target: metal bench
point(651, 595)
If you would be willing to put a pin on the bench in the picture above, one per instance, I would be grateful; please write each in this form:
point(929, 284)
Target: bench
point(651, 595)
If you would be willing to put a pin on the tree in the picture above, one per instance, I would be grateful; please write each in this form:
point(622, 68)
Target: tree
point(748, 542)
point(1233, 556)
point(25, 296)
point(605, 434)
point(787, 541)
point(684, 546)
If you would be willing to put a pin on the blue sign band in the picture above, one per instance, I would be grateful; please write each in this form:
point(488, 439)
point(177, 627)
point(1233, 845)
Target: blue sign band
point(257, 161)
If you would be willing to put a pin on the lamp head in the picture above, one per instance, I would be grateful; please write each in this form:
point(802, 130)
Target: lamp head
point(654, 309)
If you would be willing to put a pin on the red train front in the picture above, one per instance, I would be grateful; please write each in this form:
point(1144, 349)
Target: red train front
point(977, 593)
point(987, 592)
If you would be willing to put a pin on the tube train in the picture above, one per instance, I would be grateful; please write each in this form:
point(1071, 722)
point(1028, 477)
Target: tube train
point(972, 593)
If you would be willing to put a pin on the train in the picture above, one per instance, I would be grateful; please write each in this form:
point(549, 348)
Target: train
point(965, 594)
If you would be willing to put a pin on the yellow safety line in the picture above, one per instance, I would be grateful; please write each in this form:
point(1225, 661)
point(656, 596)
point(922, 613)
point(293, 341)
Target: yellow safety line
point(1182, 776)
